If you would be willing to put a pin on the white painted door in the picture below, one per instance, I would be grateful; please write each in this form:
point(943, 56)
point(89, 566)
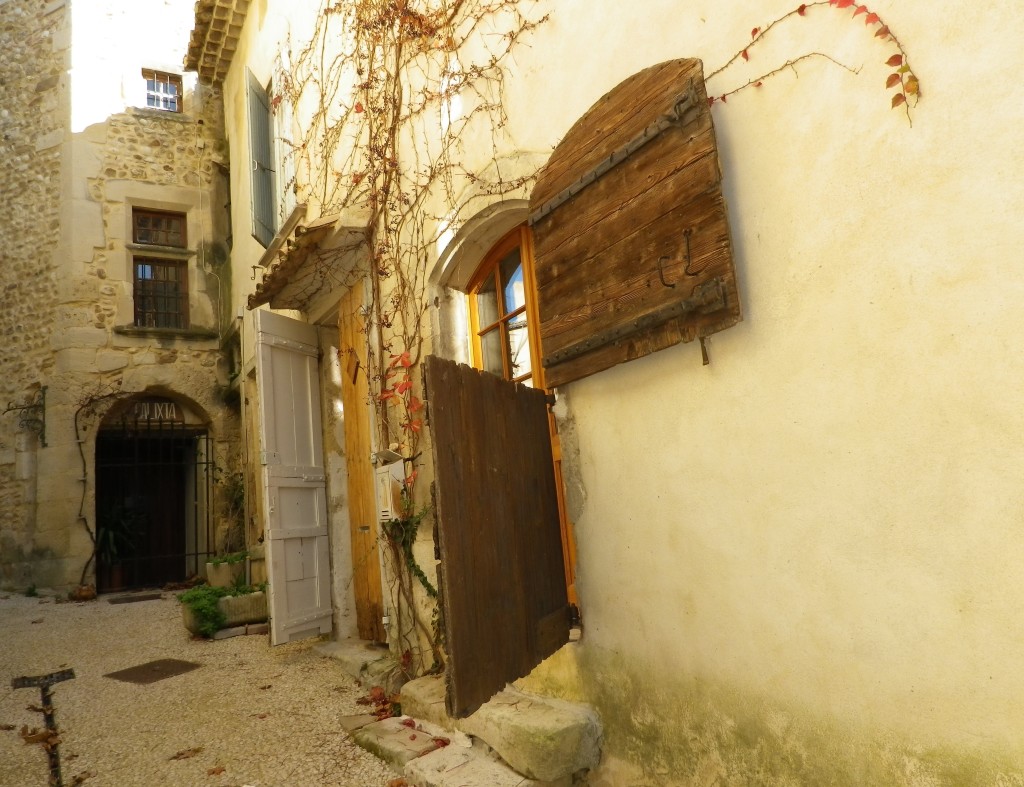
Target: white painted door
point(295, 502)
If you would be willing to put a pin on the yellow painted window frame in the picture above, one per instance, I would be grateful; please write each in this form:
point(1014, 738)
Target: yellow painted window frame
point(517, 238)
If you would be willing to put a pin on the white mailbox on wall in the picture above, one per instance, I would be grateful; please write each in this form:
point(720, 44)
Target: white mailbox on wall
point(390, 479)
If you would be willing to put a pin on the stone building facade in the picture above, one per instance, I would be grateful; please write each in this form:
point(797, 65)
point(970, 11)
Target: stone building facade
point(114, 284)
point(33, 120)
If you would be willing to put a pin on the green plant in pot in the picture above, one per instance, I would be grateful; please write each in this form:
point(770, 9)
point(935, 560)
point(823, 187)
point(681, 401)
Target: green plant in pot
point(208, 609)
point(226, 570)
point(118, 528)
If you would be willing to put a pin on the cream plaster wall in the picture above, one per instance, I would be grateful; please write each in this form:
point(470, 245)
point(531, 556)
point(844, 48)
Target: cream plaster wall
point(112, 41)
point(802, 558)
point(796, 565)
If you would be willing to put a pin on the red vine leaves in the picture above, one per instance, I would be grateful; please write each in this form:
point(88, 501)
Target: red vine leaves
point(902, 78)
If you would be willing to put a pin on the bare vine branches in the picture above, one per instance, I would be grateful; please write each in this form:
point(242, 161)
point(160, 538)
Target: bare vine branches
point(387, 100)
point(903, 78)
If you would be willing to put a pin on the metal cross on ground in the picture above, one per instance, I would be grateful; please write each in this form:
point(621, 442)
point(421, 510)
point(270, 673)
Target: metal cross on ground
point(44, 682)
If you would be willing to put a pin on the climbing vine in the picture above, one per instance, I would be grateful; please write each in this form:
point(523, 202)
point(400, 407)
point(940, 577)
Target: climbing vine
point(90, 406)
point(901, 78)
point(382, 100)
point(393, 119)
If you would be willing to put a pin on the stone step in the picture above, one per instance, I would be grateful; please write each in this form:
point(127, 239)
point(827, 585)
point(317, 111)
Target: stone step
point(370, 664)
point(520, 739)
point(400, 739)
point(541, 738)
point(429, 756)
point(475, 766)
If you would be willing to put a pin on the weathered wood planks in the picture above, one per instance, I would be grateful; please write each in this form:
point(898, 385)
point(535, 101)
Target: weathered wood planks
point(502, 583)
point(648, 233)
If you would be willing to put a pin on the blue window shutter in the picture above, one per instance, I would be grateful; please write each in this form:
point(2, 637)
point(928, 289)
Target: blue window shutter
point(261, 150)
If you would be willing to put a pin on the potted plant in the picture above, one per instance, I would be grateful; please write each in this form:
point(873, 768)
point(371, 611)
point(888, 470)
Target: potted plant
point(226, 570)
point(205, 609)
point(117, 529)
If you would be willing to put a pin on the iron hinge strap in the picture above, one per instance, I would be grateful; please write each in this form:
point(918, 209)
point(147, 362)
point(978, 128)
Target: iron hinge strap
point(683, 111)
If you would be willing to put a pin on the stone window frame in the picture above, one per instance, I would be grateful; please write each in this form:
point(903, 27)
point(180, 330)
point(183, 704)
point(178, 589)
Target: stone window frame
point(155, 306)
point(165, 225)
point(160, 293)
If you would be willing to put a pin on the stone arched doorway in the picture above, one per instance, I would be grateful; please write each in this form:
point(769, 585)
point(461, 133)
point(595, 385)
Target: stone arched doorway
point(154, 475)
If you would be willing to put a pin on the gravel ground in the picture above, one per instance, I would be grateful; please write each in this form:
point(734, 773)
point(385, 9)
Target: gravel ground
point(262, 716)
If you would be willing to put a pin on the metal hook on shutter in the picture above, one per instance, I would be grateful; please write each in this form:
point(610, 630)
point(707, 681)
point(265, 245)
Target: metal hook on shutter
point(686, 262)
point(661, 271)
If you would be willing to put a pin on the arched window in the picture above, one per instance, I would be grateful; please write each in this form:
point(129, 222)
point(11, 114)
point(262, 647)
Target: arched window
point(502, 311)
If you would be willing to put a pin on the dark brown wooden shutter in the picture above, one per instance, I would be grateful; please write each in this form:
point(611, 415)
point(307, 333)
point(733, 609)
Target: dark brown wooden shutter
point(631, 237)
point(501, 577)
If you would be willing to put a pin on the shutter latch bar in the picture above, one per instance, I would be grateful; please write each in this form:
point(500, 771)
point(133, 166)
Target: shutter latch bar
point(682, 111)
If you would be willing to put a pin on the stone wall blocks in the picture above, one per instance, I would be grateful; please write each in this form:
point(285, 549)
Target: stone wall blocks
point(77, 360)
point(78, 337)
point(49, 140)
point(111, 361)
point(75, 290)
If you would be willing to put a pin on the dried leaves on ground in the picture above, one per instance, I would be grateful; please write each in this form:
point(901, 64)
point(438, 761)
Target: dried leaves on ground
point(384, 706)
point(186, 754)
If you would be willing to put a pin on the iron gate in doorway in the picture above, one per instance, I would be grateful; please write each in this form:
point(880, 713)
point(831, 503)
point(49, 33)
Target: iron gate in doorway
point(154, 493)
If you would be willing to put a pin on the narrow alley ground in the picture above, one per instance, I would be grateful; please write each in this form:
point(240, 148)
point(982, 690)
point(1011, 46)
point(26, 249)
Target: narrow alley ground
point(249, 715)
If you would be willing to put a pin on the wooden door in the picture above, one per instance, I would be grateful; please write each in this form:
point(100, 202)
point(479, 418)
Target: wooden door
point(355, 397)
point(291, 458)
point(501, 577)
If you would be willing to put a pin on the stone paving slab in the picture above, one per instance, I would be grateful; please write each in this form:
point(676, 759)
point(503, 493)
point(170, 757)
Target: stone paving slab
point(456, 766)
point(399, 739)
point(352, 723)
point(372, 665)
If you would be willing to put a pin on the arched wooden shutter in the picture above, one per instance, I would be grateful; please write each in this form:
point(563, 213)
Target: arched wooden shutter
point(631, 237)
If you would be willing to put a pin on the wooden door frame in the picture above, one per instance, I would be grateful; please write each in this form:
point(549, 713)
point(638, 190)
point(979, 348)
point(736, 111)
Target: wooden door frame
point(362, 508)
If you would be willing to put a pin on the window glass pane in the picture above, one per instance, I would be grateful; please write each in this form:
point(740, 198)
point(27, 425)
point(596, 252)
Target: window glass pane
point(162, 90)
point(511, 273)
point(519, 346)
point(161, 297)
point(162, 229)
point(492, 352)
point(487, 303)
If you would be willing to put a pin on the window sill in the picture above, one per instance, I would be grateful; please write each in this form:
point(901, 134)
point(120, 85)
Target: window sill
point(203, 334)
point(165, 114)
point(163, 251)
